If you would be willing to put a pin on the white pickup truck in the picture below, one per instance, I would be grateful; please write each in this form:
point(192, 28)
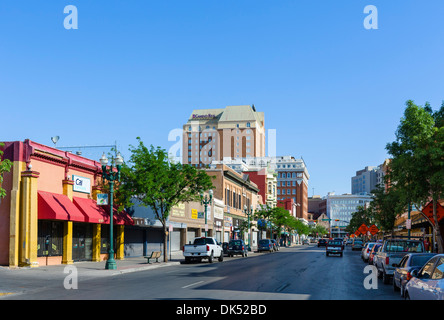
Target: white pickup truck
point(203, 248)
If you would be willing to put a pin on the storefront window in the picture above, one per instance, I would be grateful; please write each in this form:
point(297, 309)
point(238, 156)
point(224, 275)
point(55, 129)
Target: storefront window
point(50, 238)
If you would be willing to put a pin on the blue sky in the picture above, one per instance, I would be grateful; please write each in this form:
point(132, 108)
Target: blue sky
point(333, 90)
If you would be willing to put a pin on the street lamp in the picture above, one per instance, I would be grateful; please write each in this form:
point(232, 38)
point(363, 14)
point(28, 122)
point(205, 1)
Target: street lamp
point(111, 175)
point(249, 231)
point(206, 201)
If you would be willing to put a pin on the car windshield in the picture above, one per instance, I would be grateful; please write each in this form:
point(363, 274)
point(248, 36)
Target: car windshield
point(404, 246)
point(420, 260)
point(235, 243)
point(358, 242)
point(376, 247)
point(335, 243)
point(262, 242)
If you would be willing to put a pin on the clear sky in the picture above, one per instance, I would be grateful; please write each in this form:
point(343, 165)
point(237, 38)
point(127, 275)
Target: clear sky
point(333, 90)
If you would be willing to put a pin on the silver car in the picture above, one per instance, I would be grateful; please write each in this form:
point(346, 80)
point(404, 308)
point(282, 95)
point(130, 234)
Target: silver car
point(428, 283)
point(366, 250)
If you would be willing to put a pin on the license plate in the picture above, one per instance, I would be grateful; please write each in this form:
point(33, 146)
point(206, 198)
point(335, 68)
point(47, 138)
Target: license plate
point(332, 248)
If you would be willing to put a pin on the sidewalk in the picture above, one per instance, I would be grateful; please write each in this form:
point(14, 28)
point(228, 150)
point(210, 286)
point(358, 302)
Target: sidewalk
point(24, 279)
point(93, 269)
point(126, 265)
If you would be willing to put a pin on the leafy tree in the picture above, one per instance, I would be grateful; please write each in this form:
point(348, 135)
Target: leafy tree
point(263, 217)
point(318, 229)
point(361, 216)
point(280, 218)
point(5, 166)
point(386, 206)
point(161, 184)
point(417, 167)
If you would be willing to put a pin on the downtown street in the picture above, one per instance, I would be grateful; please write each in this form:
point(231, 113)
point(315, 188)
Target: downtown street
point(293, 273)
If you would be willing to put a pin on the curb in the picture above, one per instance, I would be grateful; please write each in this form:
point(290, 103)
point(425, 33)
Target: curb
point(135, 269)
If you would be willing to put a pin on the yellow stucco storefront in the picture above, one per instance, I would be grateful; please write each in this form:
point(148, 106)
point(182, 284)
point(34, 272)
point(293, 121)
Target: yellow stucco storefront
point(44, 218)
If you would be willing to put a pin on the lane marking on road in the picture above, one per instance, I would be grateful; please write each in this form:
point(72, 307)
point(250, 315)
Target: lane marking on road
point(282, 287)
point(193, 284)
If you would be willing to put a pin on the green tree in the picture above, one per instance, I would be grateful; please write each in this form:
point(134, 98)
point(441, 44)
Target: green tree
point(386, 206)
point(263, 216)
point(281, 219)
point(5, 166)
point(359, 217)
point(417, 167)
point(161, 184)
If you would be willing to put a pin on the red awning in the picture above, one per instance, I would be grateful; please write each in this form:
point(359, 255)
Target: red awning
point(121, 217)
point(100, 214)
point(53, 206)
point(93, 212)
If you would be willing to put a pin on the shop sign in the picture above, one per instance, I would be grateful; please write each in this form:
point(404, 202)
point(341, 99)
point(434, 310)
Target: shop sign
point(102, 199)
point(81, 184)
point(193, 213)
point(218, 213)
point(178, 210)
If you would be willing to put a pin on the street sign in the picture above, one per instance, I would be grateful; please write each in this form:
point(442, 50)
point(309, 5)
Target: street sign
point(428, 212)
point(363, 229)
point(373, 229)
point(357, 233)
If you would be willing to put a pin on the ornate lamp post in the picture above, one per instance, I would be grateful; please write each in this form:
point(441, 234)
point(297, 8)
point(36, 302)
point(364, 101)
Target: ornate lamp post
point(249, 213)
point(206, 201)
point(111, 176)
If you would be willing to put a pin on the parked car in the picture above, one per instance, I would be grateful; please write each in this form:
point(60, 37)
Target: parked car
point(357, 245)
point(366, 250)
point(349, 242)
point(236, 247)
point(265, 245)
point(334, 247)
point(404, 269)
point(203, 248)
point(275, 245)
point(391, 252)
point(225, 247)
point(428, 283)
point(373, 253)
point(322, 242)
point(305, 241)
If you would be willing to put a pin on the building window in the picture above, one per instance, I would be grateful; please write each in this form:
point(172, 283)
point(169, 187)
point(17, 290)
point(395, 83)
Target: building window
point(248, 125)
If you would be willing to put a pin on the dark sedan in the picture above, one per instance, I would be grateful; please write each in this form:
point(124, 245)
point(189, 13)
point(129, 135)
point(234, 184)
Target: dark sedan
point(322, 243)
point(237, 247)
point(403, 271)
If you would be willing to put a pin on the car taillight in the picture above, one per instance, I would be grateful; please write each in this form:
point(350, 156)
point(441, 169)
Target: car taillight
point(408, 276)
point(242, 247)
point(387, 260)
point(368, 250)
point(208, 248)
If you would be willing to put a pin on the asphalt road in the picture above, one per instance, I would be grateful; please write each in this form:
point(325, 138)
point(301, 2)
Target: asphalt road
point(297, 273)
